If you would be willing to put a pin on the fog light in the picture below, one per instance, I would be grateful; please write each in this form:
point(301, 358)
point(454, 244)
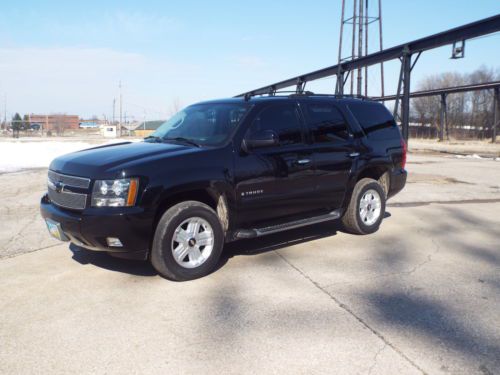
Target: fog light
point(114, 242)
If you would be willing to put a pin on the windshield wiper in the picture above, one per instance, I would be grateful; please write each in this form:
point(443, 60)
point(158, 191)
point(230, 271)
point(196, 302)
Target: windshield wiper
point(154, 138)
point(183, 140)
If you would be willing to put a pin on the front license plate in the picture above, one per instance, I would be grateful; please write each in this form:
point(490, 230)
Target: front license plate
point(55, 230)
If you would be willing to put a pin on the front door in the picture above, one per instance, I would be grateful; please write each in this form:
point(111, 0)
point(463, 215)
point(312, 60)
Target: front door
point(275, 182)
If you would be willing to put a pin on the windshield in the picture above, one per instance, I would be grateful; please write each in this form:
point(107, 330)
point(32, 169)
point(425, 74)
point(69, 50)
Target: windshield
point(202, 124)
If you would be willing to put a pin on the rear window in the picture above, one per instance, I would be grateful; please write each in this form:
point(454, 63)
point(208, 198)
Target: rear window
point(375, 119)
point(326, 123)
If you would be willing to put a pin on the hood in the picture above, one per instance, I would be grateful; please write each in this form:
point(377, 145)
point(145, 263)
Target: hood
point(115, 160)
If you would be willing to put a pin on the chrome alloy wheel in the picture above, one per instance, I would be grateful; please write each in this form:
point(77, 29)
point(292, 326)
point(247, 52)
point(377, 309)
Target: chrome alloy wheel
point(370, 207)
point(192, 242)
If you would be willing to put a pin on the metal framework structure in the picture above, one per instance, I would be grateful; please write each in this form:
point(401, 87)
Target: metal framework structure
point(360, 21)
point(443, 93)
point(407, 53)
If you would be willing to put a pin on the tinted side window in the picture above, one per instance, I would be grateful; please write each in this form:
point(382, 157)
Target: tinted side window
point(282, 119)
point(372, 116)
point(326, 123)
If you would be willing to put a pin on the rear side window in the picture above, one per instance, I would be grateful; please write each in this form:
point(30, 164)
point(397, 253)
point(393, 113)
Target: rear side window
point(375, 119)
point(326, 123)
point(283, 120)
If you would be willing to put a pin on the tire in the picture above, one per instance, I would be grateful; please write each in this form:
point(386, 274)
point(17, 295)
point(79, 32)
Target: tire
point(176, 252)
point(364, 196)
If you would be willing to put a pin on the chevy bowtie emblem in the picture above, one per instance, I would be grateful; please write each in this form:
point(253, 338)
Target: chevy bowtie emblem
point(59, 186)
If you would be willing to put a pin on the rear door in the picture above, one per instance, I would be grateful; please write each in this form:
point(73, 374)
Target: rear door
point(275, 182)
point(333, 148)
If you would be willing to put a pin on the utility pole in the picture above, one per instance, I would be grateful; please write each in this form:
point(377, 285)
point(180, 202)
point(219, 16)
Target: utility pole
point(114, 107)
point(121, 104)
point(5, 110)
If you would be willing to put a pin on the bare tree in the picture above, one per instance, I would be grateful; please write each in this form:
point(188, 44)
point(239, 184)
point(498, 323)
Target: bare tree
point(59, 124)
point(175, 107)
point(468, 114)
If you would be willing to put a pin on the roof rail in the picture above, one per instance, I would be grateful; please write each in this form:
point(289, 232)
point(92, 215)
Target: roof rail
point(291, 94)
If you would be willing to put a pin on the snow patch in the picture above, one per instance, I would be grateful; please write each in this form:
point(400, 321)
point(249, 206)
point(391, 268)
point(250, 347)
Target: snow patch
point(19, 155)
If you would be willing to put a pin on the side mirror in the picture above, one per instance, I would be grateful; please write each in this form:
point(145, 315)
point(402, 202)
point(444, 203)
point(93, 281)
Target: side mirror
point(266, 138)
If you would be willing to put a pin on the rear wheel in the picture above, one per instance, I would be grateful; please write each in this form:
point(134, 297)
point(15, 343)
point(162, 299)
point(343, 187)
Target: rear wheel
point(188, 241)
point(366, 208)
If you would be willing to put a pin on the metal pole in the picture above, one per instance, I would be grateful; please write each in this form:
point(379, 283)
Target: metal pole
point(405, 103)
point(496, 114)
point(340, 46)
point(396, 104)
point(442, 117)
point(366, 46)
point(341, 31)
point(353, 43)
point(120, 124)
point(5, 110)
point(340, 83)
point(380, 40)
point(360, 45)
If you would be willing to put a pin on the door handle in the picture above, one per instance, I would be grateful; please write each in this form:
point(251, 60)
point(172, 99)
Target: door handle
point(354, 154)
point(303, 161)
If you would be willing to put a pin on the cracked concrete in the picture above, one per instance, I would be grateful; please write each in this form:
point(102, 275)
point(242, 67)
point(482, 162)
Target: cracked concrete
point(422, 295)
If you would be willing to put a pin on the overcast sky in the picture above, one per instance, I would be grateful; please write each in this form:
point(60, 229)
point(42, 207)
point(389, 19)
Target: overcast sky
point(68, 56)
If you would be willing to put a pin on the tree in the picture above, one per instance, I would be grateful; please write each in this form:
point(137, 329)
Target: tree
point(16, 125)
point(468, 114)
point(59, 124)
point(26, 122)
point(175, 107)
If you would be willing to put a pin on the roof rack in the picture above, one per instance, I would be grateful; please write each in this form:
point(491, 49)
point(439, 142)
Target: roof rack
point(291, 94)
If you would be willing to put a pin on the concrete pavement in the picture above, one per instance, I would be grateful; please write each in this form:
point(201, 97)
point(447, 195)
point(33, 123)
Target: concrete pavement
point(422, 295)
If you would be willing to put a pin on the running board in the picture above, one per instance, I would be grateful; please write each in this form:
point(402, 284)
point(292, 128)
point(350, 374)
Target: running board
point(257, 232)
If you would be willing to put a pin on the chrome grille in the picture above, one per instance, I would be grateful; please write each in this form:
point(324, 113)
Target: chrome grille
point(59, 194)
point(73, 181)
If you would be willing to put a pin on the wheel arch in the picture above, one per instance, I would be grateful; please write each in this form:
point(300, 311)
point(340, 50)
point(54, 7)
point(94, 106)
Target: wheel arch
point(379, 172)
point(214, 198)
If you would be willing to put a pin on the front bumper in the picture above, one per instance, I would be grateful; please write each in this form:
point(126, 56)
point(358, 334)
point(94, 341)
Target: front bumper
point(90, 228)
point(398, 182)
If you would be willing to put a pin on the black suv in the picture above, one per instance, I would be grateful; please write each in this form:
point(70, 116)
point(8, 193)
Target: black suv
point(225, 170)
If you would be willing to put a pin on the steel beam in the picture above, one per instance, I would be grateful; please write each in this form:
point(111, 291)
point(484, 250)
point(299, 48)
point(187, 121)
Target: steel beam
point(445, 90)
point(468, 31)
point(496, 114)
point(442, 118)
point(405, 102)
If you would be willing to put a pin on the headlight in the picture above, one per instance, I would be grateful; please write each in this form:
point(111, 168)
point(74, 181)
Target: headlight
point(115, 193)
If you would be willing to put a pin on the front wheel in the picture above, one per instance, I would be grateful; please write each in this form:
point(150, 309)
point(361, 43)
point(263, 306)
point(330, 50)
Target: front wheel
point(366, 208)
point(188, 241)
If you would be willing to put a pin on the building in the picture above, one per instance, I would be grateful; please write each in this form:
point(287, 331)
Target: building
point(57, 123)
point(145, 128)
point(108, 131)
point(91, 124)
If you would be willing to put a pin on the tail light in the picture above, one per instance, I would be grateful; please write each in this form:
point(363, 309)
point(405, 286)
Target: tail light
point(405, 149)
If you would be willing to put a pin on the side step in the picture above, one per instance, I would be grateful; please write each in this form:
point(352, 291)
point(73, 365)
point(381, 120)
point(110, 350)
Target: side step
point(257, 232)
